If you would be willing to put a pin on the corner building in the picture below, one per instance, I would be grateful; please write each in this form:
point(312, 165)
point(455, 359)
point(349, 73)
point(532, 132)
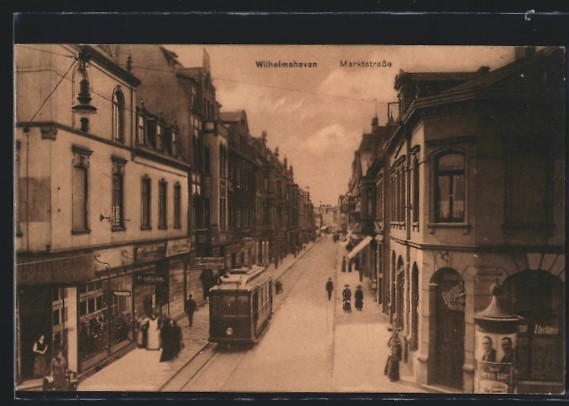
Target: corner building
point(100, 218)
point(469, 191)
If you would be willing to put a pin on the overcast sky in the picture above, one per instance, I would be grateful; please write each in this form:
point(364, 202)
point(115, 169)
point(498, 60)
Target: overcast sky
point(316, 116)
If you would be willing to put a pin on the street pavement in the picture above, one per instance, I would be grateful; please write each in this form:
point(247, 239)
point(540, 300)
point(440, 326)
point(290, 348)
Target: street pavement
point(141, 370)
point(312, 345)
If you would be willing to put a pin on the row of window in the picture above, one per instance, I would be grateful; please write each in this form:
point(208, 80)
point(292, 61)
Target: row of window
point(524, 207)
point(146, 204)
point(80, 196)
point(449, 190)
point(151, 132)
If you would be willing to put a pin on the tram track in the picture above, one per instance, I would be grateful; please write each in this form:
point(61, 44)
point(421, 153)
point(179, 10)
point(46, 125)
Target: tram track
point(209, 352)
point(193, 366)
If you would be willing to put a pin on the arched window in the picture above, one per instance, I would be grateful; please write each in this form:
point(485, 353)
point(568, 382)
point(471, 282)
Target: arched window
point(450, 187)
point(415, 308)
point(399, 294)
point(118, 116)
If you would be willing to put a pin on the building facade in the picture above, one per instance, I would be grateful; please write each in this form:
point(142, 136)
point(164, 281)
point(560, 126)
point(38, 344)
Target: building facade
point(98, 238)
point(455, 213)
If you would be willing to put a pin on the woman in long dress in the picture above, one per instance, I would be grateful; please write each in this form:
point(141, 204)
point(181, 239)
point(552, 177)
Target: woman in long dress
point(166, 338)
point(153, 335)
point(40, 363)
point(359, 298)
point(392, 365)
point(59, 372)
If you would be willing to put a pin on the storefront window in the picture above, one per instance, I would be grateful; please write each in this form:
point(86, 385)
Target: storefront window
point(121, 312)
point(59, 319)
point(539, 298)
point(93, 323)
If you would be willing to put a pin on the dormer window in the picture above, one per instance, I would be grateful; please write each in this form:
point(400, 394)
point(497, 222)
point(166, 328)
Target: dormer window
point(173, 142)
point(141, 130)
point(159, 141)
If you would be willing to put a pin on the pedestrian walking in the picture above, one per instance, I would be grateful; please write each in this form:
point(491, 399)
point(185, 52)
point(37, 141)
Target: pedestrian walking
point(347, 296)
point(344, 264)
point(142, 334)
point(153, 341)
point(329, 288)
point(171, 338)
point(58, 369)
point(167, 341)
point(392, 364)
point(190, 309)
point(40, 357)
point(359, 295)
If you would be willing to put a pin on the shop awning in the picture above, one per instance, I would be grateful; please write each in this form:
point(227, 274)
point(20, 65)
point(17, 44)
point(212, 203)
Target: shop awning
point(363, 243)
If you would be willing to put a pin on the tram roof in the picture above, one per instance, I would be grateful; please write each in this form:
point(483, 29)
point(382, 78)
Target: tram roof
point(243, 278)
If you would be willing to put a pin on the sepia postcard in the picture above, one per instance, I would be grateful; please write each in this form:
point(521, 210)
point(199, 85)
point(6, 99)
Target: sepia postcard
point(203, 218)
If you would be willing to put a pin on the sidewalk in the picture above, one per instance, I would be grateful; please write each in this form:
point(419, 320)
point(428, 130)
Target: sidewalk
point(360, 350)
point(141, 370)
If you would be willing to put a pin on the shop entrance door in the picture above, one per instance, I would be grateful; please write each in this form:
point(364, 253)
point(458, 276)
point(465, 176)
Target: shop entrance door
point(34, 316)
point(449, 347)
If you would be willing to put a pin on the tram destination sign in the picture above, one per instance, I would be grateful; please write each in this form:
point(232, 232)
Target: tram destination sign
point(208, 263)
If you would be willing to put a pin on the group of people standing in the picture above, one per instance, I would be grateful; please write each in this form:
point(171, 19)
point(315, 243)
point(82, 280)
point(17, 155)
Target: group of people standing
point(57, 376)
point(154, 334)
point(347, 295)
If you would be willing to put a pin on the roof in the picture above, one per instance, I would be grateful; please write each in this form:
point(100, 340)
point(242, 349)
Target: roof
point(434, 77)
point(243, 278)
point(231, 116)
point(504, 72)
point(192, 73)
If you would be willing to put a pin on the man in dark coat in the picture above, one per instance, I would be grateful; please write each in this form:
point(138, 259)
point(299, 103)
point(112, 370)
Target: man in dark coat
point(489, 351)
point(329, 288)
point(359, 296)
point(190, 309)
point(509, 355)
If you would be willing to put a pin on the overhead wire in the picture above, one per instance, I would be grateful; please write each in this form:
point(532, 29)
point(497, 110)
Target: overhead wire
point(288, 89)
point(53, 90)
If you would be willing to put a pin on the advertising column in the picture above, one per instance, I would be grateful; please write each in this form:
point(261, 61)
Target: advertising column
point(495, 346)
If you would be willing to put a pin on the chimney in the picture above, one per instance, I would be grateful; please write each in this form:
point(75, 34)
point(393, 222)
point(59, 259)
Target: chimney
point(484, 69)
point(374, 122)
point(129, 63)
point(264, 137)
point(277, 152)
point(285, 162)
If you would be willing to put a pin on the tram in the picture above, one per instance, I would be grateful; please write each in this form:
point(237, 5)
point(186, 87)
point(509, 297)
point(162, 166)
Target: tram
point(241, 307)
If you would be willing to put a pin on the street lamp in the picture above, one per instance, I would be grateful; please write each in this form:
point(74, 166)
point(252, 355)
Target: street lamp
point(84, 108)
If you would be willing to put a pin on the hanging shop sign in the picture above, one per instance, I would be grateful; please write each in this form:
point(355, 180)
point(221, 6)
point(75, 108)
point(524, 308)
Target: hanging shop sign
point(150, 252)
point(208, 263)
point(178, 247)
point(454, 297)
point(150, 279)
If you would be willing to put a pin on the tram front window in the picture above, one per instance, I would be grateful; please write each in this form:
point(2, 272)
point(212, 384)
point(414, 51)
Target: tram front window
point(233, 306)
